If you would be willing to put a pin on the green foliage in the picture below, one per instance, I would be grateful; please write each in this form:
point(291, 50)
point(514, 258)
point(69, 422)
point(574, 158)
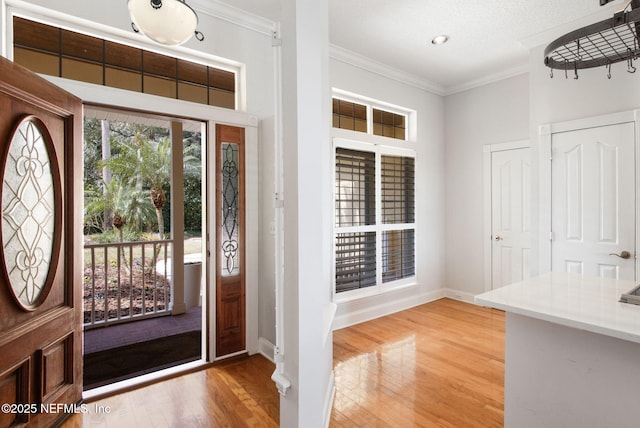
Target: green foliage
point(117, 198)
point(92, 152)
point(138, 191)
point(141, 160)
point(112, 236)
point(192, 182)
point(192, 204)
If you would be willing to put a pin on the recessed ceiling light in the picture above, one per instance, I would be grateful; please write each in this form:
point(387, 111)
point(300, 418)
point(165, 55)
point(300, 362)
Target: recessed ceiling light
point(438, 40)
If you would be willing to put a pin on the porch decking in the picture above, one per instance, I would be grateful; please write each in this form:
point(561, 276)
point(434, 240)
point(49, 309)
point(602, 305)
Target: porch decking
point(116, 335)
point(128, 327)
point(126, 350)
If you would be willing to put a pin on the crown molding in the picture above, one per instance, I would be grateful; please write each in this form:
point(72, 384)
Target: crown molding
point(361, 61)
point(486, 80)
point(235, 16)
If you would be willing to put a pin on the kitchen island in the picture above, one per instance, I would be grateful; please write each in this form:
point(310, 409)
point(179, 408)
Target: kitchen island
point(572, 352)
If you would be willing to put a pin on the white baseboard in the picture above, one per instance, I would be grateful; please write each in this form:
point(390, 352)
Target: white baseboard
point(463, 296)
point(266, 349)
point(330, 395)
point(372, 312)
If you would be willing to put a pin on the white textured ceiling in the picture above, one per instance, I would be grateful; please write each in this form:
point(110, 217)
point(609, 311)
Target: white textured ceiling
point(488, 38)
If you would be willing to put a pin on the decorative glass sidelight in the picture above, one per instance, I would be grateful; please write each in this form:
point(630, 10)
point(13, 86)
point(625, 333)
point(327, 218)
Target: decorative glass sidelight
point(28, 212)
point(230, 210)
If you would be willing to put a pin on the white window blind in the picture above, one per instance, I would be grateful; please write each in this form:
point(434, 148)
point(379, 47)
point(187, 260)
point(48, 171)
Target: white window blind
point(374, 217)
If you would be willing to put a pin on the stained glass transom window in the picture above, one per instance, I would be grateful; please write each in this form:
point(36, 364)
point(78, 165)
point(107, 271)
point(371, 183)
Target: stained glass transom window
point(28, 213)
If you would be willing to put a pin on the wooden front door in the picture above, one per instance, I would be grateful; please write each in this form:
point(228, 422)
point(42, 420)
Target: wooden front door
point(40, 250)
point(230, 242)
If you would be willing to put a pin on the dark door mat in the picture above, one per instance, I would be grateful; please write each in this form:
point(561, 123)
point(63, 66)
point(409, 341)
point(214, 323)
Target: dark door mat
point(125, 362)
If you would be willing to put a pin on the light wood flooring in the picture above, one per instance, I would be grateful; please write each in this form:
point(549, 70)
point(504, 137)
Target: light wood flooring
point(436, 365)
point(232, 394)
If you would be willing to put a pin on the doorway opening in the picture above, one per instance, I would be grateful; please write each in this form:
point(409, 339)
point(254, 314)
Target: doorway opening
point(143, 292)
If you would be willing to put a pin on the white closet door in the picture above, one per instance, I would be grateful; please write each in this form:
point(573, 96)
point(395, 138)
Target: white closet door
point(510, 216)
point(593, 201)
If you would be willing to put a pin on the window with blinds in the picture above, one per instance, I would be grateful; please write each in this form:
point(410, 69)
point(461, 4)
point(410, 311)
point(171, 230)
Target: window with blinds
point(355, 260)
point(375, 231)
point(355, 188)
point(398, 254)
point(398, 178)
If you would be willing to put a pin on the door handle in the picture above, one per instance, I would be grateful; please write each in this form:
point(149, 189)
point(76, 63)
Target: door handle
point(622, 255)
point(497, 238)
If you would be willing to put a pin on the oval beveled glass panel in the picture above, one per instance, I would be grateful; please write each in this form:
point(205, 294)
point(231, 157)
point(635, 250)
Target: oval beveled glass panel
point(28, 213)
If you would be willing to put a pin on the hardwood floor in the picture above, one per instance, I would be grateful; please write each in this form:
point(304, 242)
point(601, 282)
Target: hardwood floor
point(439, 364)
point(436, 365)
point(237, 393)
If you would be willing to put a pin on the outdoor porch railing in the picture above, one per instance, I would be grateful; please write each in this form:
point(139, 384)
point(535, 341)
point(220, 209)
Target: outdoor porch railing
point(125, 281)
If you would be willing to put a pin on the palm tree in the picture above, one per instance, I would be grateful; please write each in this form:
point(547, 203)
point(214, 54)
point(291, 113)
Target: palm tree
point(142, 162)
point(118, 198)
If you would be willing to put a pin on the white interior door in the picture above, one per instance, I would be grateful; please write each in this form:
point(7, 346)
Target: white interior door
point(510, 216)
point(593, 201)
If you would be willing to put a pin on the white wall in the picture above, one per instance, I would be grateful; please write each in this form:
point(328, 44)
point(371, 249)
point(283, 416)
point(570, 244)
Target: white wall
point(245, 45)
point(430, 215)
point(494, 113)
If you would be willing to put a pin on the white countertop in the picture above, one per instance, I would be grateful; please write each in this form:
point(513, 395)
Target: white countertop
point(587, 303)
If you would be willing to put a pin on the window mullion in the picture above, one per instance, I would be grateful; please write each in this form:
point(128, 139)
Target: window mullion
point(356, 229)
point(378, 222)
point(396, 226)
point(369, 119)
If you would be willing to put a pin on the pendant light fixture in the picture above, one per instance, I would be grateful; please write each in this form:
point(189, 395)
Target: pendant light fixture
point(168, 22)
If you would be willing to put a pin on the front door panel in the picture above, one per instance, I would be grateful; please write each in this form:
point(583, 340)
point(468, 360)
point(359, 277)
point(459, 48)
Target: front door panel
point(40, 260)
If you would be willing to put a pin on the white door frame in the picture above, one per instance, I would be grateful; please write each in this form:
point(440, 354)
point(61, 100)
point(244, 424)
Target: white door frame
point(488, 149)
point(545, 133)
point(120, 98)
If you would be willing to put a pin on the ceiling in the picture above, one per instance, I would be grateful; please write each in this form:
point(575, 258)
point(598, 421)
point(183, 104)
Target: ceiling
point(489, 39)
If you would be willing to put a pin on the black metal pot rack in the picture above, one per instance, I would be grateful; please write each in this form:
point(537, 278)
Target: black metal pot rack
point(601, 44)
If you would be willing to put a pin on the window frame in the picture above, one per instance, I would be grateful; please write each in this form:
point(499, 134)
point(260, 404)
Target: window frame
point(381, 145)
point(368, 136)
point(129, 39)
point(378, 227)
